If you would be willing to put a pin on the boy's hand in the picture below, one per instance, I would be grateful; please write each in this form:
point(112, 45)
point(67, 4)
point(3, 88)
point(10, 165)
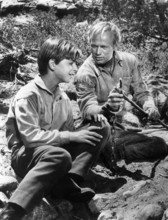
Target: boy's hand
point(87, 135)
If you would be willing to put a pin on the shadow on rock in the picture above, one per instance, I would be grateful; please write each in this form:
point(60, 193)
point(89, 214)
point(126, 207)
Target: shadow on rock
point(102, 183)
point(3, 108)
point(136, 175)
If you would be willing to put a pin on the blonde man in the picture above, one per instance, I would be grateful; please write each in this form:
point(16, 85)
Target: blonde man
point(96, 81)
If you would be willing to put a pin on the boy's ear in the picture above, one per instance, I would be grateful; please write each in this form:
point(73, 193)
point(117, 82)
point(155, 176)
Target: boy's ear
point(51, 64)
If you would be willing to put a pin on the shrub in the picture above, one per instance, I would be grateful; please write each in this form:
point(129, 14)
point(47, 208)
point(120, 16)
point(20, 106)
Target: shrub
point(30, 37)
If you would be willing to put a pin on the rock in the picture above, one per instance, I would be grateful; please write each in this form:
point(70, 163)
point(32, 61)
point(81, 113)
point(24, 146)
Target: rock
point(106, 215)
point(131, 119)
point(43, 211)
point(62, 7)
point(163, 168)
point(82, 24)
point(44, 3)
point(7, 183)
point(133, 190)
point(72, 8)
point(164, 111)
point(59, 210)
point(8, 5)
point(165, 215)
point(151, 211)
point(148, 194)
point(101, 202)
point(110, 215)
point(3, 199)
point(164, 46)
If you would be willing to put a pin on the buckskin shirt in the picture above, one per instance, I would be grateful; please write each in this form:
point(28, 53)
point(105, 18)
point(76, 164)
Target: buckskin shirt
point(41, 116)
point(94, 83)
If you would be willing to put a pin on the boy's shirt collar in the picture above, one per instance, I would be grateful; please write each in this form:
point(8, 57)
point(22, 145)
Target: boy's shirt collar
point(40, 83)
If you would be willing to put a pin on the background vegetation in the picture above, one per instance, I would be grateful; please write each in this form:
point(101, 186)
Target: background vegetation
point(143, 24)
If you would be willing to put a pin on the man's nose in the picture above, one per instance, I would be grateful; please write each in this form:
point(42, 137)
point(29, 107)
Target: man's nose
point(98, 51)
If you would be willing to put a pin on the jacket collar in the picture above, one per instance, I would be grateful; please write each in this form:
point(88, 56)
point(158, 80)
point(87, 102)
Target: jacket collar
point(40, 83)
point(116, 60)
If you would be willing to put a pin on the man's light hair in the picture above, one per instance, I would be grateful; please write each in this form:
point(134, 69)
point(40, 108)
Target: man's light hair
point(104, 26)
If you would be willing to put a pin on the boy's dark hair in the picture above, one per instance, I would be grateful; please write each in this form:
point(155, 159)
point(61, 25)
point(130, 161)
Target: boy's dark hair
point(57, 49)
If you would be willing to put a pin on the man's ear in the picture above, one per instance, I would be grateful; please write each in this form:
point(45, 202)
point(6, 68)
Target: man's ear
point(51, 64)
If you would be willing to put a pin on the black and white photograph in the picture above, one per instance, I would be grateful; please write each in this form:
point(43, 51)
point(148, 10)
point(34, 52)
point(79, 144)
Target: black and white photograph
point(84, 110)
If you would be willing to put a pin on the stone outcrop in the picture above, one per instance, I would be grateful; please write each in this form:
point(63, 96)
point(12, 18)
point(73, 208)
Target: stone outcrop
point(151, 211)
point(61, 7)
point(109, 202)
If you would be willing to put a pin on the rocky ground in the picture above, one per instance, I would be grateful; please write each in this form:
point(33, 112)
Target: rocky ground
point(139, 191)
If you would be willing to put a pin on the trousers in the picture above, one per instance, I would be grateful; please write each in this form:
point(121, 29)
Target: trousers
point(43, 167)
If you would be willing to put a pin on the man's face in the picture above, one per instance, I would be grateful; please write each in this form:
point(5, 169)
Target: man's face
point(102, 47)
point(65, 70)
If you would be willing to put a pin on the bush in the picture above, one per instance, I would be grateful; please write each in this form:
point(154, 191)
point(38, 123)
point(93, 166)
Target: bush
point(31, 36)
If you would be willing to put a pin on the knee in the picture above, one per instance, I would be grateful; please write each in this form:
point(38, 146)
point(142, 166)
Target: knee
point(105, 130)
point(58, 155)
point(66, 158)
point(103, 124)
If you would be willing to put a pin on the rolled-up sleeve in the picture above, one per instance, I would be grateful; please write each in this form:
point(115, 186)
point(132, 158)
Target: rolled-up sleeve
point(86, 92)
point(32, 135)
point(141, 93)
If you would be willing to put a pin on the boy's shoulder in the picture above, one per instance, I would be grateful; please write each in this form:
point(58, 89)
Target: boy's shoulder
point(26, 90)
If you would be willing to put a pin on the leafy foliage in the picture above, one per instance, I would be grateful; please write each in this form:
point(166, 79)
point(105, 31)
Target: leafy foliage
point(143, 26)
point(147, 17)
point(31, 36)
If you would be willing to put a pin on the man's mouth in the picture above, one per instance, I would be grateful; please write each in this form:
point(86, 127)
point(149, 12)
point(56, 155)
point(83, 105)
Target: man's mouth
point(98, 58)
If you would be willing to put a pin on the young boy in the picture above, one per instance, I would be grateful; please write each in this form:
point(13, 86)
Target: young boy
point(47, 152)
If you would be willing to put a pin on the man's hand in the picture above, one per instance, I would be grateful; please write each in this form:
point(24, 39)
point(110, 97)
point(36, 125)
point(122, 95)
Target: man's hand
point(115, 101)
point(87, 135)
point(153, 113)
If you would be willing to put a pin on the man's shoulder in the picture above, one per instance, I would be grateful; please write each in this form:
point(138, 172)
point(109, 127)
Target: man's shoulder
point(126, 56)
point(87, 68)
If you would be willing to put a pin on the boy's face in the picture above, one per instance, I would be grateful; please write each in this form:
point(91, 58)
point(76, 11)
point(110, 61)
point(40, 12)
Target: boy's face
point(65, 70)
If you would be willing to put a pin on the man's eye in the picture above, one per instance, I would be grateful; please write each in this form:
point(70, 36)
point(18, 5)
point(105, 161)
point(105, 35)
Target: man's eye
point(103, 47)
